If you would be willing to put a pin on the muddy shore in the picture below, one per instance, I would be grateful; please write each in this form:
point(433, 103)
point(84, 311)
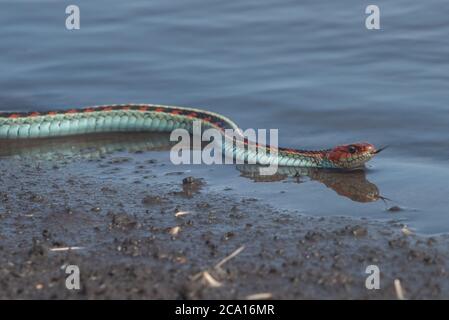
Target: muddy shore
point(143, 239)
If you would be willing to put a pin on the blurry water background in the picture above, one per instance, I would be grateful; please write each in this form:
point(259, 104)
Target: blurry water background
point(309, 68)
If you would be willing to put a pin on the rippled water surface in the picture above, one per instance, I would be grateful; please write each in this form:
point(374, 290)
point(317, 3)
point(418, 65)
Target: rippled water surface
point(309, 68)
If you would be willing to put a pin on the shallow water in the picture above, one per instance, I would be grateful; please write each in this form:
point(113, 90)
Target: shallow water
point(310, 69)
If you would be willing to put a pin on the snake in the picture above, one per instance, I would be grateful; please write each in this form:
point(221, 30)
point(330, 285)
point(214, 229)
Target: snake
point(162, 118)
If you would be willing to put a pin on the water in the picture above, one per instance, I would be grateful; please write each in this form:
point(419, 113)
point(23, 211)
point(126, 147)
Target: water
point(309, 68)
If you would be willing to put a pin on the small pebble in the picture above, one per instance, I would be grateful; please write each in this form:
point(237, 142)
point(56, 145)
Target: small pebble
point(359, 231)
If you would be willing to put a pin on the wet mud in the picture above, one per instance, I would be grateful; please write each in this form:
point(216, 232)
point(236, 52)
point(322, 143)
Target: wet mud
point(137, 236)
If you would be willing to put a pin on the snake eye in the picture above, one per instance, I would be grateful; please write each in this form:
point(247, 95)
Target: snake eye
point(352, 149)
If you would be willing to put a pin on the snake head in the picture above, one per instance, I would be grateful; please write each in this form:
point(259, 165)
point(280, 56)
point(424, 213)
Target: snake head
point(351, 156)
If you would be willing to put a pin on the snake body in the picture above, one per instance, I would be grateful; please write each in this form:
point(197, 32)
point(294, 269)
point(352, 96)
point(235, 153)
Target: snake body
point(159, 118)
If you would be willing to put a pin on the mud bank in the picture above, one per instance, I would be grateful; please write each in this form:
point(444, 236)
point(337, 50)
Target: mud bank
point(135, 237)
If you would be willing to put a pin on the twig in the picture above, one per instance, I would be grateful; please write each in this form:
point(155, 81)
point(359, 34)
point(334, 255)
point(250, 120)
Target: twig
point(260, 296)
point(232, 255)
point(66, 248)
point(181, 213)
point(210, 280)
point(399, 290)
point(219, 264)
